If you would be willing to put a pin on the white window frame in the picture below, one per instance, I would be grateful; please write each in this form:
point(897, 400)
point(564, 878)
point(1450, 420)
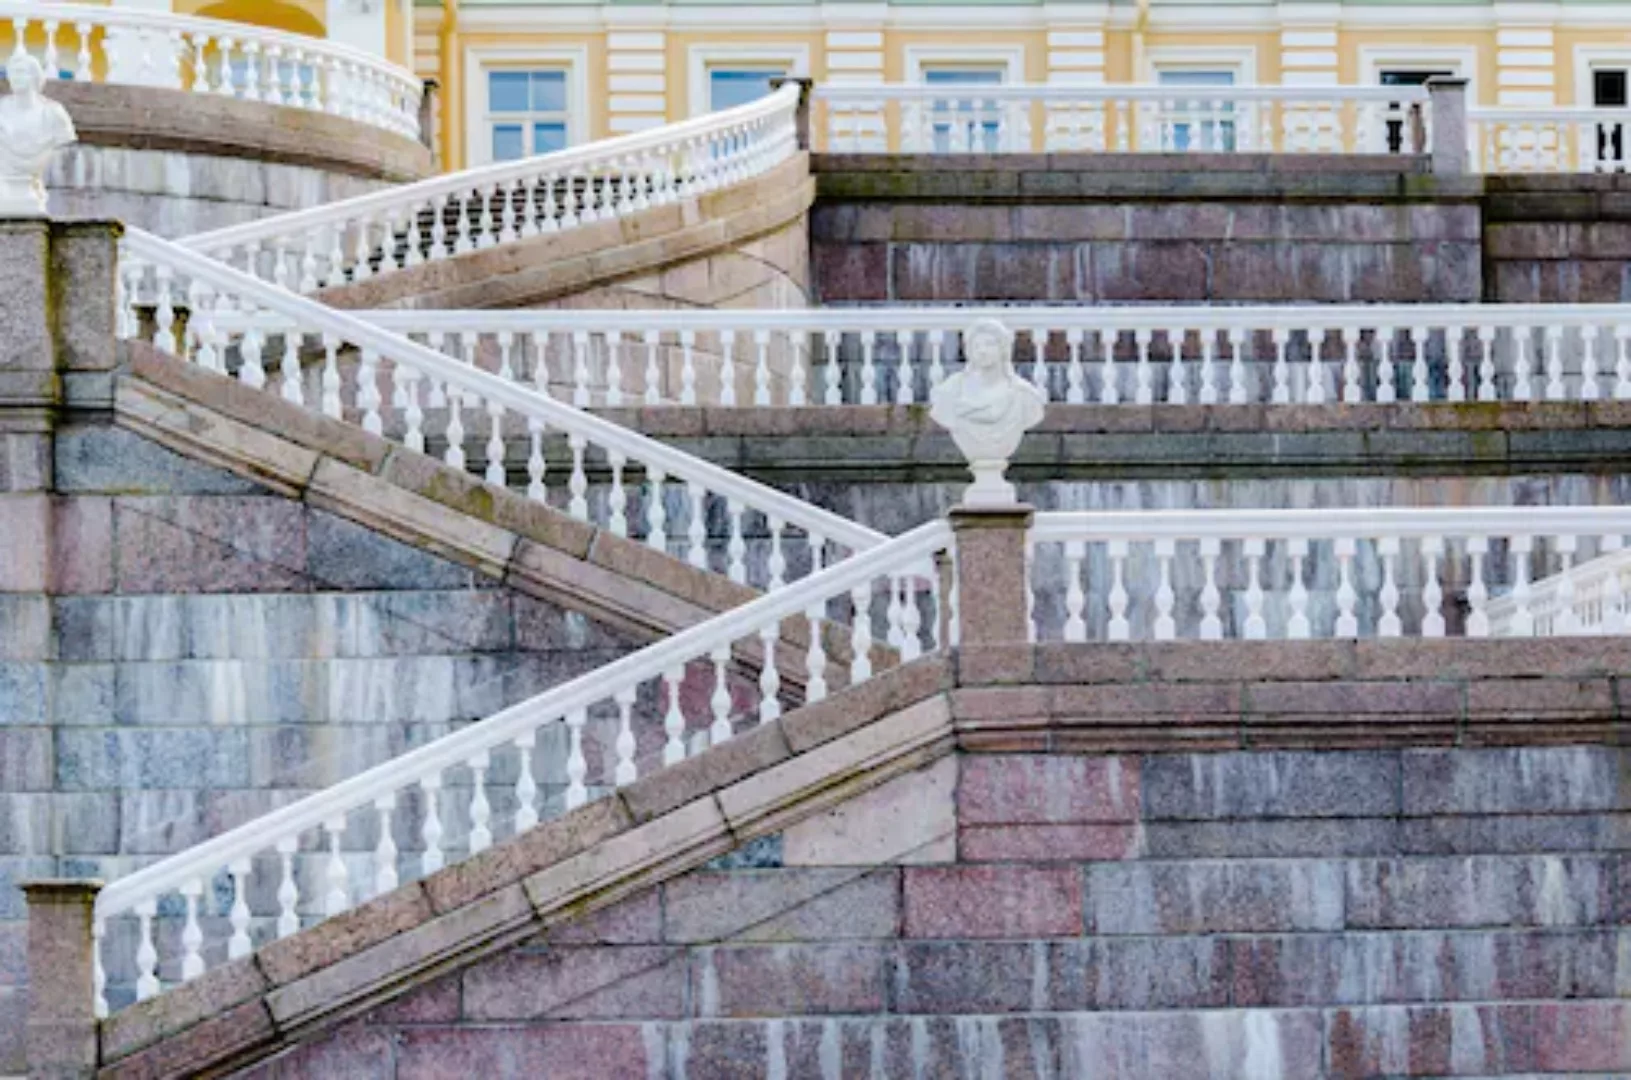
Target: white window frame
point(478, 61)
point(702, 59)
point(1008, 59)
point(1587, 59)
point(1460, 60)
point(1241, 60)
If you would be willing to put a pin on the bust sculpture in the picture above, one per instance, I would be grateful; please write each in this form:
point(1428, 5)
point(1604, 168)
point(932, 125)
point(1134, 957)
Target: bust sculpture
point(987, 408)
point(32, 129)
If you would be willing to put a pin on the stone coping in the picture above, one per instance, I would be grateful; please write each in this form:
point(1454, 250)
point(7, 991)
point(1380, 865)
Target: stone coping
point(901, 442)
point(1181, 696)
point(154, 118)
point(416, 499)
point(554, 265)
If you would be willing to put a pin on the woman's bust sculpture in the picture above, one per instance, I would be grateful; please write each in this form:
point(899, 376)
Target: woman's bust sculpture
point(32, 129)
point(987, 408)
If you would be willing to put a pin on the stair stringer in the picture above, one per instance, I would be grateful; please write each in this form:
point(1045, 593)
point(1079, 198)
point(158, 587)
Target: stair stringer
point(672, 822)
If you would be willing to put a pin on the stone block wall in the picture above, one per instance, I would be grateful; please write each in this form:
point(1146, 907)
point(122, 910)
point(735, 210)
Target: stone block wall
point(1265, 915)
point(1558, 240)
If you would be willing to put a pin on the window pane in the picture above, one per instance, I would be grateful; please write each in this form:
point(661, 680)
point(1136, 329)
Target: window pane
point(962, 76)
point(1195, 78)
point(1411, 78)
point(549, 91)
point(548, 137)
point(506, 142)
point(727, 87)
point(1609, 89)
point(507, 91)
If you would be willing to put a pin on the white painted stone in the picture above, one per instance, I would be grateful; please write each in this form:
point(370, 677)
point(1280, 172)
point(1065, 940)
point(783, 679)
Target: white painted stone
point(1310, 59)
point(1076, 58)
point(910, 819)
point(859, 61)
point(1074, 38)
point(1506, 38)
point(624, 103)
point(1541, 58)
point(630, 39)
point(32, 129)
point(854, 39)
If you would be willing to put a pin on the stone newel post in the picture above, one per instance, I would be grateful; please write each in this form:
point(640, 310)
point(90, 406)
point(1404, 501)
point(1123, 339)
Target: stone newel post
point(1448, 102)
point(801, 120)
point(61, 1026)
point(991, 581)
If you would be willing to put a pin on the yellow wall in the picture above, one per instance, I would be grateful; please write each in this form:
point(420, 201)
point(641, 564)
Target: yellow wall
point(298, 16)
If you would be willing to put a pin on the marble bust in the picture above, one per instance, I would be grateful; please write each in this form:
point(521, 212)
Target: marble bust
point(32, 129)
point(987, 408)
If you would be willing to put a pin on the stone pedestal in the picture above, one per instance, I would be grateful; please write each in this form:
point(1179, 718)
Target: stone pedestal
point(61, 1026)
point(991, 579)
point(1448, 105)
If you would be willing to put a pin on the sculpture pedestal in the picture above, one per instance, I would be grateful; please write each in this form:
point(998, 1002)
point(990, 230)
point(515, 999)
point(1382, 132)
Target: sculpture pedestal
point(21, 197)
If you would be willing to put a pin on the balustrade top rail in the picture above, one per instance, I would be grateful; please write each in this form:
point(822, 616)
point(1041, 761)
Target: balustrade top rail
point(86, 43)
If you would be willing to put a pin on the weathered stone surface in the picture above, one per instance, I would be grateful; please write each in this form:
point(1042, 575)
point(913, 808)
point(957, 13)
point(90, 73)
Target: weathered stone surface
point(783, 980)
point(1214, 897)
point(909, 819)
point(992, 901)
point(595, 982)
point(782, 905)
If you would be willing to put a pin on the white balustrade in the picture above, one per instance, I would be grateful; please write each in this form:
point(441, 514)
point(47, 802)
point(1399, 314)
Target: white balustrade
point(1330, 573)
point(410, 224)
point(142, 47)
point(339, 847)
point(917, 118)
point(446, 403)
point(1183, 354)
point(1550, 139)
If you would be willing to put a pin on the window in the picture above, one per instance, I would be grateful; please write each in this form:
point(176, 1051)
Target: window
point(736, 85)
point(1608, 91)
point(1395, 111)
point(1204, 123)
point(526, 112)
point(966, 123)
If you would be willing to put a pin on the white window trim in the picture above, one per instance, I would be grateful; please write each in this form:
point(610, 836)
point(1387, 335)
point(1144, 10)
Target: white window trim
point(1009, 58)
point(478, 60)
point(1462, 60)
point(1588, 58)
point(1240, 59)
point(700, 59)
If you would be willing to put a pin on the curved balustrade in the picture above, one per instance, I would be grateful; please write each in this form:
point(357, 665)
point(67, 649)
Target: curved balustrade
point(411, 224)
point(459, 794)
point(186, 304)
point(1550, 139)
point(1182, 354)
point(1109, 118)
point(85, 43)
point(1329, 573)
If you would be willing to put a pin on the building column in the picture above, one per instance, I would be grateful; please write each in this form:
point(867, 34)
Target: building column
point(61, 1028)
point(637, 80)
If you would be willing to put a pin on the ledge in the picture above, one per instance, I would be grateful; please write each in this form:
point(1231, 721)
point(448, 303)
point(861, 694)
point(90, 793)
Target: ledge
point(153, 118)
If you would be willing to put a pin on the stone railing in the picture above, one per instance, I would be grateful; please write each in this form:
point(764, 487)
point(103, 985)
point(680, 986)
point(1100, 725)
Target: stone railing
point(179, 300)
point(1082, 355)
point(412, 224)
point(915, 118)
point(1550, 139)
point(894, 587)
point(86, 43)
point(1327, 573)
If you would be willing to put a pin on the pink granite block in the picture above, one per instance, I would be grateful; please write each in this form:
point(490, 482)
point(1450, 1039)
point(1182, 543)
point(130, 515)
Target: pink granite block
point(1047, 843)
point(790, 980)
point(82, 547)
point(1038, 790)
point(353, 1051)
point(210, 544)
point(433, 1002)
point(578, 983)
point(993, 901)
point(25, 538)
point(635, 921)
point(560, 1052)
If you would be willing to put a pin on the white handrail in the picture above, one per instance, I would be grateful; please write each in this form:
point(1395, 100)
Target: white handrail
point(1100, 92)
point(907, 557)
point(314, 317)
point(500, 202)
point(1329, 523)
point(164, 49)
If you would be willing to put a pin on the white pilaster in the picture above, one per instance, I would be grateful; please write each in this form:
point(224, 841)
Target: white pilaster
point(1525, 60)
point(637, 79)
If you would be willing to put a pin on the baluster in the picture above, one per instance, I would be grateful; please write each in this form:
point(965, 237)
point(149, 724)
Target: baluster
point(330, 381)
point(736, 546)
point(453, 454)
point(892, 615)
point(1298, 626)
point(1165, 626)
point(578, 484)
point(654, 376)
point(1039, 365)
point(1109, 391)
point(430, 830)
point(798, 373)
point(617, 499)
point(1590, 389)
point(192, 936)
point(1420, 388)
point(1315, 394)
point(861, 633)
point(1281, 392)
point(1388, 623)
point(1143, 391)
point(770, 676)
point(536, 466)
point(1352, 391)
point(1386, 374)
point(674, 718)
point(1487, 389)
point(656, 510)
point(1622, 361)
point(614, 343)
point(869, 370)
point(834, 370)
point(1477, 591)
point(1256, 628)
point(462, 242)
point(688, 367)
point(1568, 617)
point(1211, 624)
point(164, 313)
point(626, 771)
point(1554, 362)
point(1523, 382)
point(251, 371)
point(1075, 375)
point(336, 897)
point(1075, 598)
point(911, 623)
point(238, 944)
point(776, 563)
point(82, 61)
point(1615, 617)
point(385, 853)
point(719, 703)
point(1455, 338)
point(1347, 625)
point(1209, 362)
point(288, 892)
point(526, 787)
point(1237, 365)
point(696, 527)
point(1523, 620)
point(1119, 629)
point(1177, 377)
point(147, 956)
point(1432, 593)
point(481, 811)
point(727, 368)
point(761, 368)
point(815, 658)
point(576, 767)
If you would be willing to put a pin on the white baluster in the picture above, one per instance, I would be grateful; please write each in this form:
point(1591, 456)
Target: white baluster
point(1238, 338)
point(481, 811)
point(736, 547)
point(1075, 597)
point(1388, 623)
point(1119, 629)
point(1256, 628)
point(656, 510)
point(430, 830)
point(696, 528)
point(1143, 389)
point(1432, 592)
point(720, 702)
point(626, 771)
point(576, 767)
point(1209, 365)
point(147, 956)
point(834, 394)
point(337, 896)
point(578, 484)
point(1568, 617)
point(238, 944)
point(192, 936)
point(861, 633)
point(1386, 373)
point(1523, 344)
point(617, 499)
point(1554, 363)
point(770, 676)
point(288, 891)
point(385, 851)
point(674, 717)
point(1177, 377)
point(1419, 387)
point(331, 376)
point(1347, 624)
point(1298, 626)
point(727, 368)
point(1477, 591)
point(1109, 376)
point(1211, 624)
point(688, 367)
point(1523, 620)
point(1165, 627)
point(453, 453)
point(1281, 392)
point(1622, 362)
point(869, 368)
point(815, 659)
point(537, 469)
point(1352, 391)
point(526, 787)
point(1075, 375)
point(1590, 388)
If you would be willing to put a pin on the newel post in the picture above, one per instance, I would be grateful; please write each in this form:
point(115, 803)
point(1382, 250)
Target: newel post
point(60, 1032)
point(992, 583)
point(1447, 98)
point(801, 119)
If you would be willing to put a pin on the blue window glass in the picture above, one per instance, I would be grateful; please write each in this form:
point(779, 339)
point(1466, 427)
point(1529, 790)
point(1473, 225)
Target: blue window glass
point(729, 87)
point(1198, 124)
point(548, 137)
point(527, 112)
point(506, 142)
point(966, 123)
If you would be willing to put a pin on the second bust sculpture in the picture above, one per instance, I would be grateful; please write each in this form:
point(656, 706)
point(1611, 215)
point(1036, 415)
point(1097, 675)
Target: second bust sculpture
point(987, 408)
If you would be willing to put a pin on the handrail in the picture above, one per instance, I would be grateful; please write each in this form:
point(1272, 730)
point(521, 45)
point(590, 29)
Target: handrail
point(455, 749)
point(1112, 92)
point(322, 318)
point(782, 100)
point(1328, 523)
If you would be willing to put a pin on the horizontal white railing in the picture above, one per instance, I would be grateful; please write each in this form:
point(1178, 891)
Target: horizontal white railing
point(452, 784)
point(1589, 597)
point(1093, 355)
point(1322, 573)
point(142, 47)
point(174, 298)
point(410, 224)
point(1053, 117)
point(1549, 139)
